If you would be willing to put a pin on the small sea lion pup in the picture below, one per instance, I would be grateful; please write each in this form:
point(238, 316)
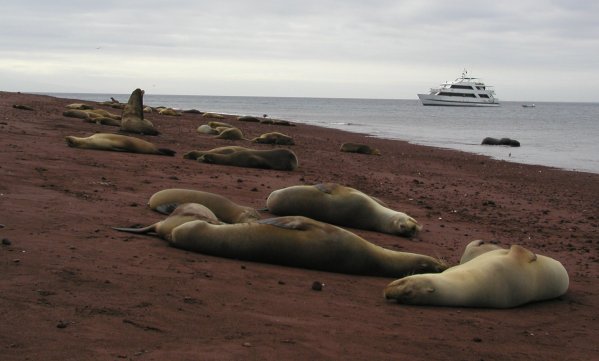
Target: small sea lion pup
point(132, 119)
point(359, 148)
point(277, 159)
point(274, 138)
point(499, 278)
point(225, 210)
point(117, 143)
point(300, 242)
point(185, 212)
point(340, 205)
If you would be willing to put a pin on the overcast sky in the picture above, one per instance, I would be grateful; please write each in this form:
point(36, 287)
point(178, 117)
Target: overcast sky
point(529, 50)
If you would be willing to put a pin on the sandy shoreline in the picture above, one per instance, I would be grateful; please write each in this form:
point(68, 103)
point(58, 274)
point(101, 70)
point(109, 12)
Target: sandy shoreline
point(72, 288)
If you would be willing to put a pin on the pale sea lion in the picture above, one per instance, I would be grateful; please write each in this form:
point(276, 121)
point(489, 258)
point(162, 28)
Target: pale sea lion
point(214, 124)
point(213, 115)
point(169, 111)
point(278, 159)
point(185, 212)
point(206, 129)
point(300, 242)
point(75, 113)
point(359, 148)
point(344, 206)
point(132, 120)
point(476, 248)
point(79, 106)
point(274, 138)
point(117, 143)
point(499, 278)
point(225, 210)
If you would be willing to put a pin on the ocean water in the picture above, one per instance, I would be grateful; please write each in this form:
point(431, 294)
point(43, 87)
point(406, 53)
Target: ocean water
point(561, 135)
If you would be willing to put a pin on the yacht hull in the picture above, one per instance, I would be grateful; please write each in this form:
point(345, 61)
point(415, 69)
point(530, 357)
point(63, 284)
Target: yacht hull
point(440, 100)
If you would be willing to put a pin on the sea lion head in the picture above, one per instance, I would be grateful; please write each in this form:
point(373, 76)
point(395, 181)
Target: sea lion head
point(72, 141)
point(404, 225)
point(411, 289)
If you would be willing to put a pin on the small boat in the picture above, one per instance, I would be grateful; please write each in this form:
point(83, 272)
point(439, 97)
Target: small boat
point(528, 105)
point(465, 91)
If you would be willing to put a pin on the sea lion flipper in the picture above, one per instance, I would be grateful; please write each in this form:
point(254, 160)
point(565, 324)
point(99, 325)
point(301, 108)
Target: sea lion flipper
point(519, 251)
point(326, 187)
point(141, 230)
point(286, 222)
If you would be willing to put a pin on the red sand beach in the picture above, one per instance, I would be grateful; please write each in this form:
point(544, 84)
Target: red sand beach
point(72, 288)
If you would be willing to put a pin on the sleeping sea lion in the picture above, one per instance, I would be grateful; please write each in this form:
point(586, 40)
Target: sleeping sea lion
point(300, 242)
point(340, 205)
point(499, 278)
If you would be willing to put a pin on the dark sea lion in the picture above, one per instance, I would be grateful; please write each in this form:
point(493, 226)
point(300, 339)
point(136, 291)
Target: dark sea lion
point(117, 143)
point(499, 278)
point(359, 148)
point(278, 159)
point(341, 205)
point(248, 118)
point(225, 210)
point(132, 119)
point(22, 107)
point(300, 242)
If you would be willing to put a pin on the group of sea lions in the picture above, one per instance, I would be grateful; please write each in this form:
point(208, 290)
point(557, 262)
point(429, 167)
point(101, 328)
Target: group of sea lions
point(307, 234)
point(132, 121)
point(307, 231)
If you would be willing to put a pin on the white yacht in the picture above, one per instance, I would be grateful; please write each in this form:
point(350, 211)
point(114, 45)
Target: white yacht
point(465, 91)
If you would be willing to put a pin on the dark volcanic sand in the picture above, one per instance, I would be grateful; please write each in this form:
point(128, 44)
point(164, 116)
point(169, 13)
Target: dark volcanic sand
point(71, 288)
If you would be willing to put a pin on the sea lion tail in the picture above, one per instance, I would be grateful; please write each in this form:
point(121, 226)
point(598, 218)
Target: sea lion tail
point(165, 151)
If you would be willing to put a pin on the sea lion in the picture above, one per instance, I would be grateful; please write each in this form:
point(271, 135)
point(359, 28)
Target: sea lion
point(359, 148)
point(229, 134)
point(206, 129)
point(276, 122)
point(185, 212)
point(500, 278)
point(22, 107)
point(75, 113)
point(278, 159)
point(274, 138)
point(341, 205)
point(215, 125)
point(117, 143)
point(79, 106)
point(213, 115)
point(169, 111)
point(502, 141)
point(101, 113)
point(300, 242)
point(225, 210)
point(196, 154)
point(248, 118)
point(132, 119)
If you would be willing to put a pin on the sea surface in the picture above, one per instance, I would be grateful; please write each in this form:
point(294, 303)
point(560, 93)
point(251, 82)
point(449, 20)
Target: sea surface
point(561, 135)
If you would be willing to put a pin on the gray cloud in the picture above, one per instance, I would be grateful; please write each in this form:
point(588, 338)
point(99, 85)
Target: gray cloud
point(386, 48)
